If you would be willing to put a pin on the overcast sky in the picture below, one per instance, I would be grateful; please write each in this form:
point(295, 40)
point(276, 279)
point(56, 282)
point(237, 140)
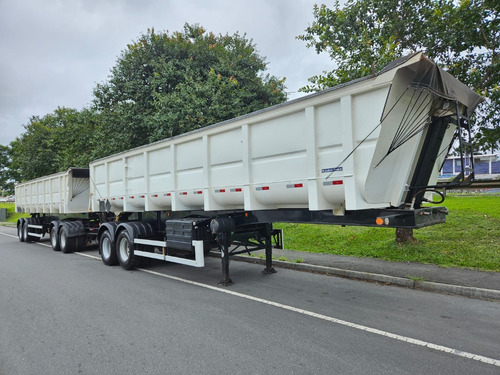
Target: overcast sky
point(53, 52)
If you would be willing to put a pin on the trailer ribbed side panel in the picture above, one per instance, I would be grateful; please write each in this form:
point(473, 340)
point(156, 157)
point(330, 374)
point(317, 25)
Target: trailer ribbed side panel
point(60, 193)
point(289, 156)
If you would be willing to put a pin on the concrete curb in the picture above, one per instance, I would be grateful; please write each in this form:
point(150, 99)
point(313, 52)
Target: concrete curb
point(466, 291)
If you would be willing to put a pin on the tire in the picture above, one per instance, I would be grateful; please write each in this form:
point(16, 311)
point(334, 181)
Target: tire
point(79, 243)
point(66, 244)
point(107, 249)
point(54, 239)
point(27, 237)
point(125, 251)
point(20, 231)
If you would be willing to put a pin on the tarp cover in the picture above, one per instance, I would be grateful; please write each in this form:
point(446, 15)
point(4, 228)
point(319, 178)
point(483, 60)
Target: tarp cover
point(438, 81)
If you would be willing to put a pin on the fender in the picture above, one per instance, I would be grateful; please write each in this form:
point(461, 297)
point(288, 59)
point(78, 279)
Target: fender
point(20, 222)
point(137, 229)
point(74, 228)
point(55, 224)
point(110, 227)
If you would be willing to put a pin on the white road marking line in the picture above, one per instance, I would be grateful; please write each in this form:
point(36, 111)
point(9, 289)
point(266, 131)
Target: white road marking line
point(345, 323)
point(360, 327)
point(76, 252)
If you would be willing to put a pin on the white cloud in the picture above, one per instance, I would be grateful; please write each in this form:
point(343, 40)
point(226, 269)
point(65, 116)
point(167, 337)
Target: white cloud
point(54, 52)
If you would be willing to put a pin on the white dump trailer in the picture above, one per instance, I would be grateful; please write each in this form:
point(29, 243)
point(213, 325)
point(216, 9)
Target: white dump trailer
point(363, 153)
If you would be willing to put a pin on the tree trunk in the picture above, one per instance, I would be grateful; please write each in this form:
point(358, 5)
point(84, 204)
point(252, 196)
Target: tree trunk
point(404, 235)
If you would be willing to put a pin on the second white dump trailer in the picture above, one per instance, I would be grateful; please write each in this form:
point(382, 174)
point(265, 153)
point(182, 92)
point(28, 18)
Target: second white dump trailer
point(363, 153)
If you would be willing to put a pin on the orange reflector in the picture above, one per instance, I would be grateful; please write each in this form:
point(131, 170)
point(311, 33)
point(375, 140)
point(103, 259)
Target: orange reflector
point(379, 221)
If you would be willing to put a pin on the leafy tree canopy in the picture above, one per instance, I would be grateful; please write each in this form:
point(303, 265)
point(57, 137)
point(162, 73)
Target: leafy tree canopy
point(162, 85)
point(463, 36)
point(53, 143)
point(165, 84)
point(6, 183)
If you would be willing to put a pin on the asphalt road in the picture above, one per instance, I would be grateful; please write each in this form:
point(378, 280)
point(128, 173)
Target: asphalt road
point(70, 314)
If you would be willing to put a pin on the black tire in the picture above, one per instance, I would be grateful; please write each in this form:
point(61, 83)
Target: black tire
point(107, 249)
point(66, 243)
point(125, 251)
point(54, 239)
point(20, 230)
point(79, 243)
point(27, 237)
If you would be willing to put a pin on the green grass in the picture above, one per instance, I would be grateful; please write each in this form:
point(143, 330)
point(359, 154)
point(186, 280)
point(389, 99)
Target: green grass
point(12, 216)
point(470, 238)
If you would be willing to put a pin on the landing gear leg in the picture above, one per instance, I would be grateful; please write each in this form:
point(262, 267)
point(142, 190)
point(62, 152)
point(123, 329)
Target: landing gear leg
point(224, 240)
point(269, 251)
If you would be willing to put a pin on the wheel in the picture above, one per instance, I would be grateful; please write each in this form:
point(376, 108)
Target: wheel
point(66, 244)
point(125, 251)
point(107, 249)
point(54, 239)
point(27, 237)
point(20, 230)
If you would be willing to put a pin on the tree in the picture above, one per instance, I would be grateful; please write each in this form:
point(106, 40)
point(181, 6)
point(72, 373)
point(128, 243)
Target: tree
point(6, 183)
point(54, 143)
point(463, 36)
point(167, 84)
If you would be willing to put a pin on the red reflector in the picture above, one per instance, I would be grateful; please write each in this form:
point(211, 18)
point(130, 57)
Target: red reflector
point(184, 193)
point(238, 190)
point(155, 195)
point(339, 182)
point(168, 194)
point(265, 187)
point(132, 197)
point(121, 197)
point(199, 192)
point(222, 190)
point(298, 185)
point(113, 199)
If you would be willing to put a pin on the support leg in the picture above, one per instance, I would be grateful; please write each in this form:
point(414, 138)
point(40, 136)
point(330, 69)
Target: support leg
point(269, 251)
point(224, 243)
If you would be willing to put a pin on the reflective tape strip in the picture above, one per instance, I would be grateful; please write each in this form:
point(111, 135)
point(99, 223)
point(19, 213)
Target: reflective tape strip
point(336, 182)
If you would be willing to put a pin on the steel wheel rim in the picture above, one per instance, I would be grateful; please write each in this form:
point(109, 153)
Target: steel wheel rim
point(53, 238)
point(124, 249)
point(106, 248)
point(63, 240)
